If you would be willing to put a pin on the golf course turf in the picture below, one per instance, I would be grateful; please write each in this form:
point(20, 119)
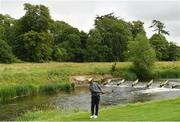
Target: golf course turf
point(167, 110)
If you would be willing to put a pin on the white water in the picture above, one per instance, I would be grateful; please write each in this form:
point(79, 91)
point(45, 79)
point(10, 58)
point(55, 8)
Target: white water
point(156, 90)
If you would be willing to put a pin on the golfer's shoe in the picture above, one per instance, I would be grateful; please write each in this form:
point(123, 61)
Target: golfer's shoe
point(91, 117)
point(95, 117)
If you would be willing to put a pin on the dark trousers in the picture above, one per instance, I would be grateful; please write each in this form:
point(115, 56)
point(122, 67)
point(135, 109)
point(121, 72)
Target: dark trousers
point(95, 104)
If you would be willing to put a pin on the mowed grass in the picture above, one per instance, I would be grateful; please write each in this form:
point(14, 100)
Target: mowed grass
point(167, 110)
point(23, 79)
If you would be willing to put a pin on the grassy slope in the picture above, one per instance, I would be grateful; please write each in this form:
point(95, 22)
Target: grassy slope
point(150, 111)
point(32, 78)
point(40, 73)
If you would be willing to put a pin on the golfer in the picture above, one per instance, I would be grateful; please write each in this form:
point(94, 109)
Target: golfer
point(95, 90)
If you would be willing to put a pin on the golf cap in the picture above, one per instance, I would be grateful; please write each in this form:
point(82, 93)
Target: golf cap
point(90, 79)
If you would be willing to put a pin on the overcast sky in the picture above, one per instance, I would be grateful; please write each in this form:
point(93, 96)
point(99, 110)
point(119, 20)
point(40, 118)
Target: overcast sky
point(81, 13)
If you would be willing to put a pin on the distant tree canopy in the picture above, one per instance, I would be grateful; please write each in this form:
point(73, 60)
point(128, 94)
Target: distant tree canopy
point(159, 27)
point(165, 51)
point(36, 18)
point(137, 27)
point(6, 55)
point(160, 45)
point(173, 52)
point(115, 34)
point(34, 46)
point(36, 37)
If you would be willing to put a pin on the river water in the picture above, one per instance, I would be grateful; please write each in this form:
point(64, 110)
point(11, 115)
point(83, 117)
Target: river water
point(79, 99)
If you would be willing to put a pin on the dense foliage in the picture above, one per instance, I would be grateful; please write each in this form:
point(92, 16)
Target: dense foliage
point(36, 37)
point(34, 46)
point(6, 55)
point(142, 56)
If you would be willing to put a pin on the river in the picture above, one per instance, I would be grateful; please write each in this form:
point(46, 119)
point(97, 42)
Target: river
point(79, 99)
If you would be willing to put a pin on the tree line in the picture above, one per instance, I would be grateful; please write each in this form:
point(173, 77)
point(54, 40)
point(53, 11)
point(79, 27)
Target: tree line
point(36, 37)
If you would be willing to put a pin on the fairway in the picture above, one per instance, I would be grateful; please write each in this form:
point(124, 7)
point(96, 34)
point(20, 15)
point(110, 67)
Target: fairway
point(167, 110)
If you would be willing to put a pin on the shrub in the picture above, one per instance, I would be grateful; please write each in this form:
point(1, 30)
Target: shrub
point(142, 56)
point(113, 68)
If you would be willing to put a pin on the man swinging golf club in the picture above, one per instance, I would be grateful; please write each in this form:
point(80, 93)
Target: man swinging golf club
point(95, 90)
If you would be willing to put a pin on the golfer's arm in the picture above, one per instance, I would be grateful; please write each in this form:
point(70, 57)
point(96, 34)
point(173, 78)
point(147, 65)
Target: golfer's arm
point(100, 89)
point(97, 91)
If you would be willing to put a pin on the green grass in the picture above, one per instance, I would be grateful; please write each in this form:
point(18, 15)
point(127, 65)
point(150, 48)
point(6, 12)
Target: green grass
point(21, 79)
point(24, 79)
point(149, 111)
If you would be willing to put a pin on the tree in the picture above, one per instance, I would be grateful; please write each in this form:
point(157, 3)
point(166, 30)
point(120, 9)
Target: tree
point(59, 31)
point(33, 46)
point(142, 56)
point(32, 40)
point(70, 39)
point(73, 48)
point(6, 25)
point(36, 18)
point(137, 27)
point(160, 45)
point(159, 26)
point(59, 53)
point(83, 39)
point(95, 50)
point(174, 52)
point(120, 38)
point(115, 34)
point(6, 55)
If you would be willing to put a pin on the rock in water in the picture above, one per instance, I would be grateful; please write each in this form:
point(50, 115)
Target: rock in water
point(149, 84)
point(135, 82)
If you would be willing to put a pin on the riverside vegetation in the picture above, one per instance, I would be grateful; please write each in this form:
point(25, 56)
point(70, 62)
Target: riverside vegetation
point(32, 78)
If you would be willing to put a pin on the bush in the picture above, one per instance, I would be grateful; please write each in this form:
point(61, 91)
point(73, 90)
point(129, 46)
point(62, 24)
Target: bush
point(113, 68)
point(127, 74)
point(143, 57)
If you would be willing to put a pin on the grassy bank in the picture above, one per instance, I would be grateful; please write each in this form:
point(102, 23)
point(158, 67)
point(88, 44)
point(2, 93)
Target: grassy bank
point(150, 111)
point(31, 78)
point(160, 70)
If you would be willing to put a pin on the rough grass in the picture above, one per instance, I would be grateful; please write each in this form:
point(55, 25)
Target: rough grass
point(22, 79)
point(167, 70)
point(167, 110)
point(32, 78)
